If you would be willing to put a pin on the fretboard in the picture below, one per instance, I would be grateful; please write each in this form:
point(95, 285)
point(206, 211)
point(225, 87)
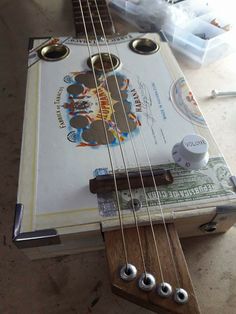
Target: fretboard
point(100, 10)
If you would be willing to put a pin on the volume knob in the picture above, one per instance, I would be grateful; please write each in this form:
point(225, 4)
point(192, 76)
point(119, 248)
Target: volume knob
point(192, 152)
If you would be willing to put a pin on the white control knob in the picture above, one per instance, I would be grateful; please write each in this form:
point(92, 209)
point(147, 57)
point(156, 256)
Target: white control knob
point(191, 153)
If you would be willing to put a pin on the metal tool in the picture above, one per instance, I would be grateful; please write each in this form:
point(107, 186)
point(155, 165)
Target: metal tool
point(215, 93)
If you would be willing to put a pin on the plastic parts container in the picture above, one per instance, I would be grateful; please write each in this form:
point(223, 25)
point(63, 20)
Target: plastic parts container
point(204, 37)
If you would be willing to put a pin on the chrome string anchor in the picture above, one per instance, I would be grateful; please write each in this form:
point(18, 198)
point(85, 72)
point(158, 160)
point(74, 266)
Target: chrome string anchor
point(128, 272)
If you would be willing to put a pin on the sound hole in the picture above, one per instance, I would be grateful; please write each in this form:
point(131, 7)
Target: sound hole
point(106, 61)
point(144, 46)
point(54, 52)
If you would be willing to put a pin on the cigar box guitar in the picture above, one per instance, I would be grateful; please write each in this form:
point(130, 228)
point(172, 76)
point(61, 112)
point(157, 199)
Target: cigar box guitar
point(117, 155)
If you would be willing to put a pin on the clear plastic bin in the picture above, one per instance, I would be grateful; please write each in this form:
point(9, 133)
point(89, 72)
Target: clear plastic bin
point(194, 7)
point(203, 36)
point(202, 41)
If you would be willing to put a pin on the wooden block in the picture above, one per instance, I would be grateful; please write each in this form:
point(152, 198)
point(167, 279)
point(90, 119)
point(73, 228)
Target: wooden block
point(130, 290)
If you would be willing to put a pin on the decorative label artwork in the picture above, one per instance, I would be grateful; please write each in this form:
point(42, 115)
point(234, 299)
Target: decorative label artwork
point(188, 187)
point(185, 103)
point(101, 112)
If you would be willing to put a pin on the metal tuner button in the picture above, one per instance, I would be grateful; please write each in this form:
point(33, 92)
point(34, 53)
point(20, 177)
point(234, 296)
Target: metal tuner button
point(191, 153)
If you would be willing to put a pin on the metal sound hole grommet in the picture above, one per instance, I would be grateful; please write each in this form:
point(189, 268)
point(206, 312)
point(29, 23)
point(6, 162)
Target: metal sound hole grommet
point(128, 272)
point(164, 290)
point(106, 61)
point(181, 296)
point(144, 46)
point(147, 282)
point(134, 204)
point(54, 52)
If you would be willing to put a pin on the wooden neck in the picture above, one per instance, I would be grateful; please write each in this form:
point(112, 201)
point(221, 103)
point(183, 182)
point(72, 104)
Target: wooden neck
point(130, 290)
point(100, 15)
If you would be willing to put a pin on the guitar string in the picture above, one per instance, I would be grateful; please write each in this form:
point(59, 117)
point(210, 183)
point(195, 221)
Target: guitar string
point(109, 151)
point(159, 203)
point(120, 146)
point(146, 151)
point(133, 147)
